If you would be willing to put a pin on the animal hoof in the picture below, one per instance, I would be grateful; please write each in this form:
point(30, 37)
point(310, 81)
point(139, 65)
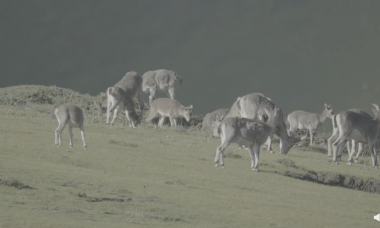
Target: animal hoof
point(349, 163)
point(356, 161)
point(222, 166)
point(272, 152)
point(256, 170)
point(216, 164)
point(85, 147)
point(376, 167)
point(336, 163)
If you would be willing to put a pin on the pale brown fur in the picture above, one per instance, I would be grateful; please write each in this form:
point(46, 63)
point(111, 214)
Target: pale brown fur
point(168, 108)
point(73, 116)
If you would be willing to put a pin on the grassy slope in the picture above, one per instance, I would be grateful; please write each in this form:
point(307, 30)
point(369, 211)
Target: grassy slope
point(165, 178)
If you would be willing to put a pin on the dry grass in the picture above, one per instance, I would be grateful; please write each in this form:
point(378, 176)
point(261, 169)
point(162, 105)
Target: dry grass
point(163, 177)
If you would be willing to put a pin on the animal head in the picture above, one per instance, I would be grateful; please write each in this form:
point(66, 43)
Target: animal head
point(187, 112)
point(113, 91)
point(264, 118)
point(176, 77)
point(285, 145)
point(329, 111)
point(215, 125)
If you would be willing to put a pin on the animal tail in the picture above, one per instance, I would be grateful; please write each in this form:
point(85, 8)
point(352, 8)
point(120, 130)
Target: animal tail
point(54, 113)
point(220, 130)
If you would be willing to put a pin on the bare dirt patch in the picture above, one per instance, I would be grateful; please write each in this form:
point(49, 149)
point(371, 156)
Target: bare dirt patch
point(14, 183)
point(336, 179)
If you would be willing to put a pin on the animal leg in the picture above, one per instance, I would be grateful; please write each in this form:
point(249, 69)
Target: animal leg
point(71, 136)
point(372, 150)
point(172, 121)
point(130, 122)
point(58, 133)
point(152, 113)
point(350, 150)
point(219, 154)
point(338, 145)
point(255, 162)
point(111, 105)
point(360, 148)
point(83, 138)
point(151, 95)
point(141, 103)
point(330, 141)
point(305, 136)
point(311, 136)
point(108, 112)
point(269, 144)
point(114, 115)
point(171, 93)
point(161, 121)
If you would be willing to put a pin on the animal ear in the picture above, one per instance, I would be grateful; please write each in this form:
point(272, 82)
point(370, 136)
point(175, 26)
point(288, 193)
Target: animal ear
point(238, 103)
point(326, 107)
point(183, 107)
point(376, 107)
point(375, 111)
point(191, 107)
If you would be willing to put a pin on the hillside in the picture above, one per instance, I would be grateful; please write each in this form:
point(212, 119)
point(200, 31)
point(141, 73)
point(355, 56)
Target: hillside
point(165, 177)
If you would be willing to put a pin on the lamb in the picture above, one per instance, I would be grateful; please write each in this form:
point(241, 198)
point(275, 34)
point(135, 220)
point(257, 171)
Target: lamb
point(168, 108)
point(208, 119)
point(309, 121)
point(244, 132)
point(73, 116)
point(358, 125)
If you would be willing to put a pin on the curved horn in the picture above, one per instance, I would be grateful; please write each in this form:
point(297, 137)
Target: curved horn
point(376, 107)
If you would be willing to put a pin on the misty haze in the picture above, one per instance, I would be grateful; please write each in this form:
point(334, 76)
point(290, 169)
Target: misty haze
point(301, 54)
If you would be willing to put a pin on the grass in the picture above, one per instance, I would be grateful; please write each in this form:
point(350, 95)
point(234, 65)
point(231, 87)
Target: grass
point(163, 177)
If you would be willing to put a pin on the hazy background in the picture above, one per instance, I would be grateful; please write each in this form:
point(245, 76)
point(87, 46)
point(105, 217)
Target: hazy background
point(299, 53)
